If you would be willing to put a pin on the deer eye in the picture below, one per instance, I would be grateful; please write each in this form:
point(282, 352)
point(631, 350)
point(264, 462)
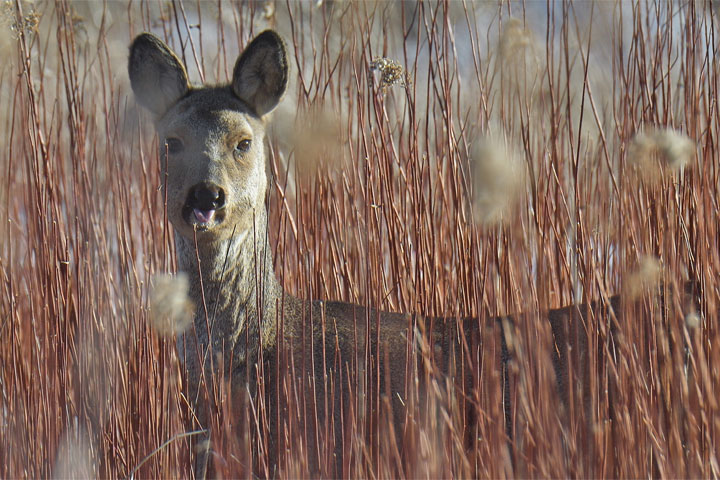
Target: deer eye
point(242, 147)
point(173, 145)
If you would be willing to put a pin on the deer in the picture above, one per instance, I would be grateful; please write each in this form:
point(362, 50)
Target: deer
point(212, 141)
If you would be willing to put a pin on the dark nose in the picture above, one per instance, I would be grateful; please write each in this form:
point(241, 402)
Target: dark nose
point(206, 196)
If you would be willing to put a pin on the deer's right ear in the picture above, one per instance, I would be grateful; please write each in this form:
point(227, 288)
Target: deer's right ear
point(157, 75)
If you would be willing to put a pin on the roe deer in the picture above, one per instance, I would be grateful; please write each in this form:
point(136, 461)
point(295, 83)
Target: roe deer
point(214, 140)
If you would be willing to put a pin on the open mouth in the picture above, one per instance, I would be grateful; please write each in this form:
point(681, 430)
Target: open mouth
point(200, 219)
point(205, 206)
point(203, 216)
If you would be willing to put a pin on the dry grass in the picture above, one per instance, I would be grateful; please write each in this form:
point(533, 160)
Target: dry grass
point(386, 218)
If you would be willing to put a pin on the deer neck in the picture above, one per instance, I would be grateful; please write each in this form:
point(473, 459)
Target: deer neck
point(233, 286)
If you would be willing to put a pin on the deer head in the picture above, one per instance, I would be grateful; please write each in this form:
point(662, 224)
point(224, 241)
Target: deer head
point(211, 138)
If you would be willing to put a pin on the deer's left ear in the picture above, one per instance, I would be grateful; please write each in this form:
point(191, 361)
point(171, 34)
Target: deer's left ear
point(260, 76)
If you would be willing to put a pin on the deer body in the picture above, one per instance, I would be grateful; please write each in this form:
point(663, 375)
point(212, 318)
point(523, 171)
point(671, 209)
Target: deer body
point(254, 321)
point(246, 327)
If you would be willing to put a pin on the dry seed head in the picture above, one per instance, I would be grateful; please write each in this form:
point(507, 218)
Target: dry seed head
point(391, 72)
point(171, 311)
point(268, 10)
point(9, 18)
point(645, 277)
point(498, 181)
point(656, 150)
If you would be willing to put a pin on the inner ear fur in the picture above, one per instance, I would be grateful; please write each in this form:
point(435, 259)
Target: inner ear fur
point(157, 76)
point(260, 75)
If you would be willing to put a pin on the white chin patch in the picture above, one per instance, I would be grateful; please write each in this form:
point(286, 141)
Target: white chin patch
point(203, 216)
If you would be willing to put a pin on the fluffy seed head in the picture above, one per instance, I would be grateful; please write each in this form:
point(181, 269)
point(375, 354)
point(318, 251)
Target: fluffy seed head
point(75, 455)
point(498, 181)
point(515, 38)
point(316, 140)
point(645, 276)
point(171, 311)
point(692, 320)
point(657, 150)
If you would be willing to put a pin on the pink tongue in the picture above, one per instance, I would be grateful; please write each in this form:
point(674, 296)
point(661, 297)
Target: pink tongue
point(203, 216)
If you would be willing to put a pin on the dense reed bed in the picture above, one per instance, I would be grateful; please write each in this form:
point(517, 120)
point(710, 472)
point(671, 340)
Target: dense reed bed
point(445, 158)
